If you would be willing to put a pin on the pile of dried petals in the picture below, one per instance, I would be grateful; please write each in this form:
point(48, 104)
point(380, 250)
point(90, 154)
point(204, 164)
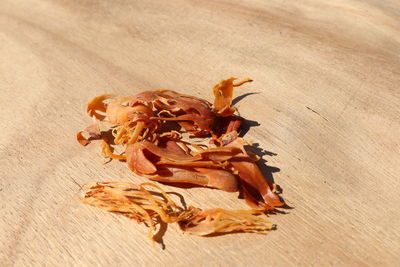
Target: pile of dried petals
point(150, 127)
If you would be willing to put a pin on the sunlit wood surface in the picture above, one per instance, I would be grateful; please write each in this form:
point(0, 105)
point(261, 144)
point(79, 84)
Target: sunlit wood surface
point(326, 77)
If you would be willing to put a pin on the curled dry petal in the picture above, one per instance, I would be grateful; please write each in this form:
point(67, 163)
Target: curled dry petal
point(258, 192)
point(92, 130)
point(119, 112)
point(223, 95)
point(165, 165)
point(196, 113)
point(82, 139)
point(220, 179)
point(214, 178)
point(97, 106)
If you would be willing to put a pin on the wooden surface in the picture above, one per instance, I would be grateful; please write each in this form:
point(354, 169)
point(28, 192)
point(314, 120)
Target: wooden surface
point(327, 77)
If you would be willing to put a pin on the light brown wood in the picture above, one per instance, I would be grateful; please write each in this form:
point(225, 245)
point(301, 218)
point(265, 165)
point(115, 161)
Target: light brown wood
point(327, 77)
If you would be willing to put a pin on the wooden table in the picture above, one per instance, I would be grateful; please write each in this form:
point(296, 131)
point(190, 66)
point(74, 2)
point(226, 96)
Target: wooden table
point(326, 77)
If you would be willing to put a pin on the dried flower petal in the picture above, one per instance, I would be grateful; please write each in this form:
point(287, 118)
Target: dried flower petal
point(97, 106)
point(257, 190)
point(82, 139)
point(223, 93)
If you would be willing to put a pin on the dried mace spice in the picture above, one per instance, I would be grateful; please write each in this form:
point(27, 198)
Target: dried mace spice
point(153, 205)
point(158, 132)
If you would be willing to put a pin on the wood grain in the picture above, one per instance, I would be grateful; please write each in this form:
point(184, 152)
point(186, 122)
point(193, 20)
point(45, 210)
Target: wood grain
point(327, 77)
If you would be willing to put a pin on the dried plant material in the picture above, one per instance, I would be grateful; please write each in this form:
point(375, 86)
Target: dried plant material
point(220, 221)
point(136, 202)
point(149, 127)
point(258, 192)
point(154, 207)
point(223, 93)
point(172, 166)
point(214, 178)
point(97, 106)
point(82, 139)
point(107, 153)
point(93, 131)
